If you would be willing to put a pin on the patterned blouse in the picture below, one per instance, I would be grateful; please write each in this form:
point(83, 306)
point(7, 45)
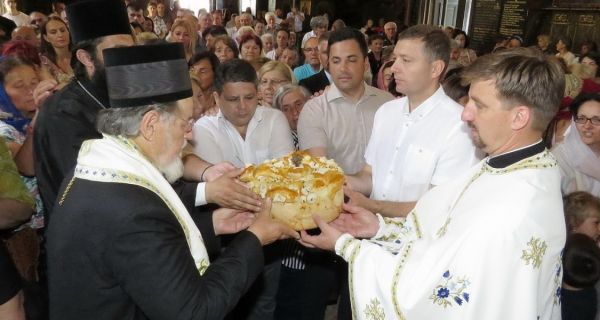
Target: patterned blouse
point(10, 134)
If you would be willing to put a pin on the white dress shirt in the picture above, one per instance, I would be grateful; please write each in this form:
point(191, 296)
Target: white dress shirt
point(268, 136)
point(411, 151)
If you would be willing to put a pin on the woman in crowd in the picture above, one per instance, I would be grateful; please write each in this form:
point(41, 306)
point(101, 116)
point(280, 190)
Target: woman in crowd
point(544, 44)
point(292, 40)
point(590, 62)
point(268, 43)
point(579, 154)
point(281, 42)
point(563, 45)
point(466, 55)
point(250, 48)
point(581, 257)
point(182, 31)
point(18, 108)
point(375, 54)
point(55, 52)
point(271, 76)
point(259, 29)
point(586, 47)
point(290, 99)
point(385, 76)
point(202, 71)
point(225, 49)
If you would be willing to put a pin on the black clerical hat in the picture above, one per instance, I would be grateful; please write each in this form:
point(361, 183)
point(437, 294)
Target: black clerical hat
point(142, 75)
point(91, 19)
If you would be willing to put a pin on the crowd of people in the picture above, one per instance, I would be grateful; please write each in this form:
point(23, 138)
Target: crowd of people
point(472, 178)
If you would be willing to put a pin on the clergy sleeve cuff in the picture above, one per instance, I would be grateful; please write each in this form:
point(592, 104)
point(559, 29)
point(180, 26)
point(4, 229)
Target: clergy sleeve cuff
point(201, 194)
point(344, 244)
point(381, 231)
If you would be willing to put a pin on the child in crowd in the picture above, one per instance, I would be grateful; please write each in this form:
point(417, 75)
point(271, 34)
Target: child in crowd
point(581, 257)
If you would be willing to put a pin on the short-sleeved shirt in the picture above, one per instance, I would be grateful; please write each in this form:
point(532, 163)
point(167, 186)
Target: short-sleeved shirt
point(411, 151)
point(268, 136)
point(342, 127)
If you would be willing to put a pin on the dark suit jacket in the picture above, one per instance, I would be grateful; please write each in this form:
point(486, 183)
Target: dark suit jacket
point(316, 82)
point(115, 251)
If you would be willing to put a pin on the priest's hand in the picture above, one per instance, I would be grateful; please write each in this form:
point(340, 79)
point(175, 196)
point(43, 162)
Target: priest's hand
point(325, 240)
point(228, 221)
point(215, 171)
point(357, 221)
point(228, 192)
point(268, 230)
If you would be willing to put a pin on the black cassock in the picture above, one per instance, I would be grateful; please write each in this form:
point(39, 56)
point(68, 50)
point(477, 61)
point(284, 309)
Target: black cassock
point(65, 120)
point(115, 251)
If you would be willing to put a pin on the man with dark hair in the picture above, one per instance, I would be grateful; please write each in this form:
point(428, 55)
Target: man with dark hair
point(321, 80)
point(486, 244)
point(245, 133)
point(338, 123)
point(418, 141)
point(282, 37)
point(146, 251)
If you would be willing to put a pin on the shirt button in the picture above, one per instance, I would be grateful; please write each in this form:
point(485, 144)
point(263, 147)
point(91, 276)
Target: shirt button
point(391, 171)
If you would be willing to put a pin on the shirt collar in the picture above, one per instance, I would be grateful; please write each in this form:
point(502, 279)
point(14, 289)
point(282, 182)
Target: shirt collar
point(334, 93)
point(256, 118)
point(426, 106)
point(506, 159)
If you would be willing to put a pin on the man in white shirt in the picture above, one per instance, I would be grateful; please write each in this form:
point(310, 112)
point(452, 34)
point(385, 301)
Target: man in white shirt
point(245, 133)
point(14, 14)
point(418, 141)
point(242, 132)
point(488, 243)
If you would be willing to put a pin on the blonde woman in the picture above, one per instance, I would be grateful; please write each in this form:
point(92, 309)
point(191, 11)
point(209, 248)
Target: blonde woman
point(184, 32)
point(271, 76)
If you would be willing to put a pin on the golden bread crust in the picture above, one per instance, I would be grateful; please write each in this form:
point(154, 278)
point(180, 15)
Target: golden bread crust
point(299, 185)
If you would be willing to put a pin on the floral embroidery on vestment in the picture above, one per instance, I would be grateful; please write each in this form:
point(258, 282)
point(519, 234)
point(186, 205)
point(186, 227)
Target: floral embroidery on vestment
point(451, 292)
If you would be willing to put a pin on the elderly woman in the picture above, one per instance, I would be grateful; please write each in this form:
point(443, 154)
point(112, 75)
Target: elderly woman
point(579, 154)
point(290, 99)
point(250, 48)
point(319, 25)
point(271, 76)
point(268, 42)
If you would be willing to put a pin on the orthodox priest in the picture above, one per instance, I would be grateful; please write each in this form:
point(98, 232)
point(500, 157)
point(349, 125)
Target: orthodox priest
point(67, 117)
point(487, 244)
point(121, 243)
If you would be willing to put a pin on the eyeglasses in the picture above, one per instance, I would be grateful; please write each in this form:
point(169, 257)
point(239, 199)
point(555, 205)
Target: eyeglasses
point(583, 120)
